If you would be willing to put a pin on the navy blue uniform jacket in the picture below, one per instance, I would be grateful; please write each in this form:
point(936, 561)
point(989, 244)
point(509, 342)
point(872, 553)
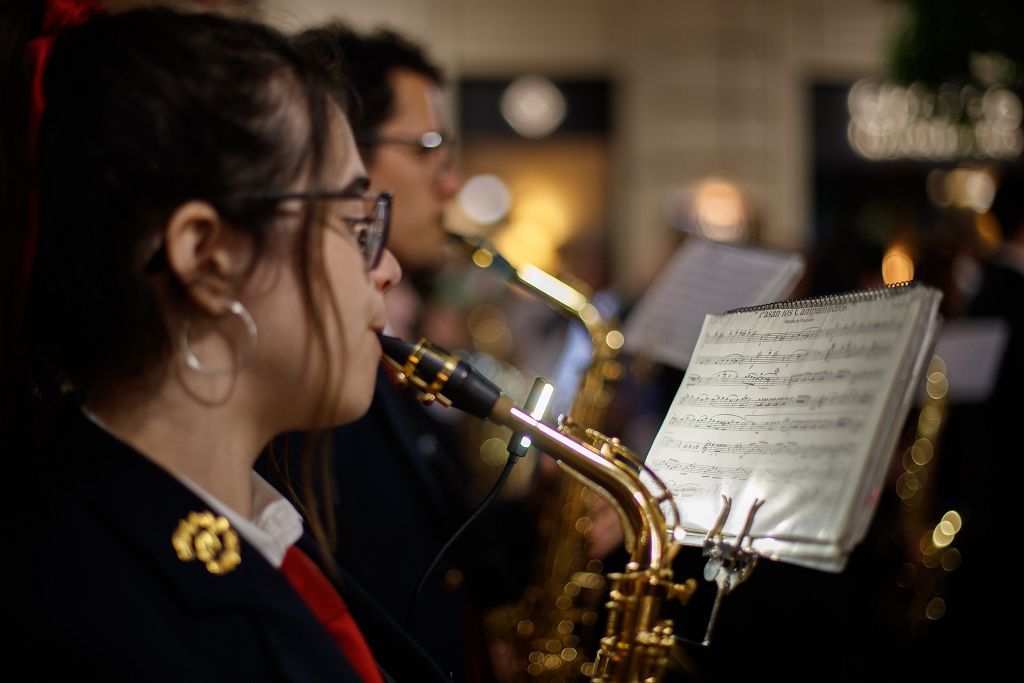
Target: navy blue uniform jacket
point(103, 595)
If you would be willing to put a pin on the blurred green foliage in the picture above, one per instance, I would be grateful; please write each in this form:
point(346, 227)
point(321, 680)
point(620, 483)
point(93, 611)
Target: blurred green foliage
point(941, 37)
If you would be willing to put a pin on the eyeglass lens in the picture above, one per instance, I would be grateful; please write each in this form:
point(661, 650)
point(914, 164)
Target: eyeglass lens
point(368, 224)
point(376, 235)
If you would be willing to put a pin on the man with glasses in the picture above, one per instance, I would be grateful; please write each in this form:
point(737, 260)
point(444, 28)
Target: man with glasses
point(401, 132)
point(400, 483)
point(420, 166)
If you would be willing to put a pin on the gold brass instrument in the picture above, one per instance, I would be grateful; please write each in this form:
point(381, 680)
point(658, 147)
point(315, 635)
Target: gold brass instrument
point(545, 633)
point(637, 643)
point(934, 555)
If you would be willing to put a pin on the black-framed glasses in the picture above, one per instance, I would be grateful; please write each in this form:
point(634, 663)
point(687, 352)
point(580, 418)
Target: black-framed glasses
point(432, 144)
point(370, 225)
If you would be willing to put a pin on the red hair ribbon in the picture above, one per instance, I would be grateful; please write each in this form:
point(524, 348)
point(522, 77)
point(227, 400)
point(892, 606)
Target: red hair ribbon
point(57, 15)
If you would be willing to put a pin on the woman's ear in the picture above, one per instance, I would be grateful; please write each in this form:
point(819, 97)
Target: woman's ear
point(206, 256)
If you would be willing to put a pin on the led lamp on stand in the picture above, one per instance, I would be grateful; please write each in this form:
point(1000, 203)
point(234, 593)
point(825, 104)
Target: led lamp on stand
point(536, 405)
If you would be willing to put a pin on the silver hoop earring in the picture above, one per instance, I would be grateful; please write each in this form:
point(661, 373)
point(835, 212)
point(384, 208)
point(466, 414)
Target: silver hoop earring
point(252, 333)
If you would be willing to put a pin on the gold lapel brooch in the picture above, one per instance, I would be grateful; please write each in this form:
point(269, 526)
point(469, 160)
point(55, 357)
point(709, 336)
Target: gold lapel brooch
point(208, 538)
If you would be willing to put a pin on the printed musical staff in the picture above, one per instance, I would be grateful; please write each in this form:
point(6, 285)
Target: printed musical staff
point(727, 378)
point(791, 449)
point(738, 423)
point(833, 399)
point(833, 352)
point(710, 471)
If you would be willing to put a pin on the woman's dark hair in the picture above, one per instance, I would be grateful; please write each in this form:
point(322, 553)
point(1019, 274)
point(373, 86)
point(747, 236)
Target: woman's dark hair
point(357, 67)
point(145, 110)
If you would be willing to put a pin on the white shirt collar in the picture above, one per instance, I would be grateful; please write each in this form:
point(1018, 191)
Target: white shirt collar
point(275, 525)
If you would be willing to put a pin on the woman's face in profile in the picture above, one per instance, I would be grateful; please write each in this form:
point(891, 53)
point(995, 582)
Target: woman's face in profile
point(347, 297)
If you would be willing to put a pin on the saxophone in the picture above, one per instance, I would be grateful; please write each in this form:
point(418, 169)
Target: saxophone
point(547, 632)
point(923, 579)
point(637, 643)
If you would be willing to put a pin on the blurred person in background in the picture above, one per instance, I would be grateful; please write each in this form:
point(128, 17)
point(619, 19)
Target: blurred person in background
point(417, 498)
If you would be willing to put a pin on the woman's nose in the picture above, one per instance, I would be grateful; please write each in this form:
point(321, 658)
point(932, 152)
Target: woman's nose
point(387, 273)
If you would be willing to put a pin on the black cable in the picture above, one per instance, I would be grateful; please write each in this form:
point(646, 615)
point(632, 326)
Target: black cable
point(502, 478)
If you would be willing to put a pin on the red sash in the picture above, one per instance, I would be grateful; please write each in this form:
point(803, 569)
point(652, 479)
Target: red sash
point(318, 593)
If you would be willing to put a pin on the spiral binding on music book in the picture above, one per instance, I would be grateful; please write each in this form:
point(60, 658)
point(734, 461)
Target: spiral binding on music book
point(894, 289)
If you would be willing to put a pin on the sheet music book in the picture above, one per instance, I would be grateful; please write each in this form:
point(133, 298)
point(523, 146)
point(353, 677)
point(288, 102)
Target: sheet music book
point(703, 276)
point(799, 404)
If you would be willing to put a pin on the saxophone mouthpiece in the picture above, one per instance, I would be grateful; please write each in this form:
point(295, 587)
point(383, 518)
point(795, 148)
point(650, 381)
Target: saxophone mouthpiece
point(397, 350)
point(440, 376)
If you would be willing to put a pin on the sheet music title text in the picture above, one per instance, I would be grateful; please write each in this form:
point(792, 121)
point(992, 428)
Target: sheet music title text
point(797, 312)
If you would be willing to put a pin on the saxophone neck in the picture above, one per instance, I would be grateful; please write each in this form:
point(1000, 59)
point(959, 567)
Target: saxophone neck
point(605, 338)
point(559, 295)
point(653, 546)
point(444, 377)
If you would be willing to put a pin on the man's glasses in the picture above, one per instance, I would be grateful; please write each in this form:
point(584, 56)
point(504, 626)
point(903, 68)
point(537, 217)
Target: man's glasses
point(431, 145)
point(366, 217)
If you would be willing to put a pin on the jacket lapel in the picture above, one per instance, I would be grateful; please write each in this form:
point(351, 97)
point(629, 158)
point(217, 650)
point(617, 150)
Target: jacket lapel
point(146, 506)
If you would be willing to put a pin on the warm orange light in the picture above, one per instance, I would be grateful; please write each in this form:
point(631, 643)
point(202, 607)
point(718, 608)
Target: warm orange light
point(525, 241)
point(542, 206)
point(988, 230)
point(719, 210)
point(539, 223)
point(897, 266)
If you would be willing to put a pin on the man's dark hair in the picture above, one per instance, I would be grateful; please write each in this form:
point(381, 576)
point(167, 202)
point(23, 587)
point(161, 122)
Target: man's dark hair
point(357, 68)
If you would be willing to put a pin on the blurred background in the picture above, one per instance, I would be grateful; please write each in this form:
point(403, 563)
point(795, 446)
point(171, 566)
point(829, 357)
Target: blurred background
point(853, 125)
point(881, 139)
